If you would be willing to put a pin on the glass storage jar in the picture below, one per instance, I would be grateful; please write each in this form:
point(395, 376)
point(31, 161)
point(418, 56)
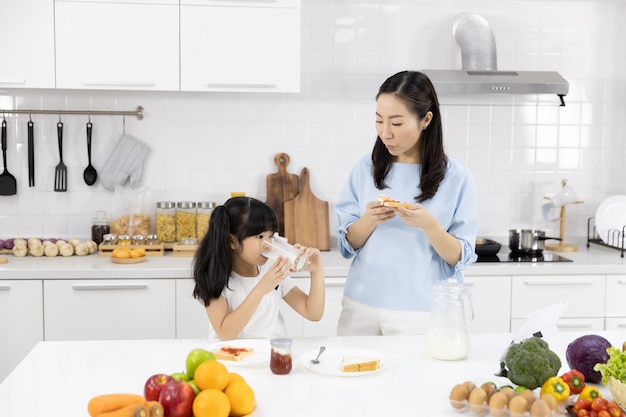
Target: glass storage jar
point(166, 221)
point(100, 227)
point(205, 208)
point(185, 220)
point(280, 356)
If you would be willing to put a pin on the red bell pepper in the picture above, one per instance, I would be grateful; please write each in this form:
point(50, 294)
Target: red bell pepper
point(575, 380)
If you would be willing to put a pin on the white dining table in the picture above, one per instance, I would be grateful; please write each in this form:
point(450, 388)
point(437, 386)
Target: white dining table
point(57, 379)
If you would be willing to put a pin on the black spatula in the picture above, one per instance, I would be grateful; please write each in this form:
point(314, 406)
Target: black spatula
point(8, 185)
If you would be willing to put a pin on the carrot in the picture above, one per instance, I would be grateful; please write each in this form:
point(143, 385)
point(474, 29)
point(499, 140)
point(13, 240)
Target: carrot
point(155, 409)
point(131, 410)
point(111, 402)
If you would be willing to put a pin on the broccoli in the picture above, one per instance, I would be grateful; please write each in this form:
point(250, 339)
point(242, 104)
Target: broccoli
point(530, 363)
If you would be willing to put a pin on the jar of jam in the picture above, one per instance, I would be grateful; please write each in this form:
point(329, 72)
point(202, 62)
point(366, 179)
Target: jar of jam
point(280, 359)
point(100, 227)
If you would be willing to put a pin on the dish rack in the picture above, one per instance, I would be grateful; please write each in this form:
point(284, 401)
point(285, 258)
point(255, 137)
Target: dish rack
point(615, 237)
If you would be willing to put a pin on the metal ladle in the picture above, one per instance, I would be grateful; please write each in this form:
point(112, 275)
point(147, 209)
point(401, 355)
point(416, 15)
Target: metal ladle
point(90, 175)
point(317, 358)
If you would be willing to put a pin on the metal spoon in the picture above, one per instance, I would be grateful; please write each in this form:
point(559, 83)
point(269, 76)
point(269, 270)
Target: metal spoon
point(317, 359)
point(90, 175)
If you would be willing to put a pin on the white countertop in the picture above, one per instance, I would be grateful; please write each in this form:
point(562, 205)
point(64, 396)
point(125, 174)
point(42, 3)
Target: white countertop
point(593, 260)
point(57, 379)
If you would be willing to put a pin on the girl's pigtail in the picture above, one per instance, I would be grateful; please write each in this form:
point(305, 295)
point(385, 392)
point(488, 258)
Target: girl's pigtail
point(213, 259)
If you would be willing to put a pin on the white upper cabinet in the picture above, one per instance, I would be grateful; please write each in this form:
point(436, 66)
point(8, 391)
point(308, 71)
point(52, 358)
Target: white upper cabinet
point(121, 45)
point(240, 46)
point(27, 33)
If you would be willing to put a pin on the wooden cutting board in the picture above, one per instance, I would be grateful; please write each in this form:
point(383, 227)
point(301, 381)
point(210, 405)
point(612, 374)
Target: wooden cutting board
point(306, 218)
point(281, 186)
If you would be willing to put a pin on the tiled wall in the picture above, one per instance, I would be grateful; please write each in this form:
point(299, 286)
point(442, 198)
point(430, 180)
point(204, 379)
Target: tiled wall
point(203, 146)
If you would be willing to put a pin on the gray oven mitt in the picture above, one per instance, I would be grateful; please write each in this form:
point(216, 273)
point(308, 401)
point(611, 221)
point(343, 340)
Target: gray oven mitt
point(125, 161)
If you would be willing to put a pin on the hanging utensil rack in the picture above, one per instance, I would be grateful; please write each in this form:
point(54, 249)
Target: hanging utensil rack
point(615, 238)
point(138, 112)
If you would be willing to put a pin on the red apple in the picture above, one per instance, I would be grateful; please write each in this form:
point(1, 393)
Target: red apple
point(154, 384)
point(177, 399)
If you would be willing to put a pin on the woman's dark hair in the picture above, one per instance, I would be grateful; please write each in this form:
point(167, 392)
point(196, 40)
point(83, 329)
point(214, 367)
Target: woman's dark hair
point(239, 217)
point(418, 94)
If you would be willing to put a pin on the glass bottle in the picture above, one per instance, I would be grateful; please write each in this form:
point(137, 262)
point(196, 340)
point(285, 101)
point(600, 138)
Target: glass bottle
point(166, 221)
point(280, 359)
point(205, 208)
point(185, 220)
point(100, 227)
point(447, 337)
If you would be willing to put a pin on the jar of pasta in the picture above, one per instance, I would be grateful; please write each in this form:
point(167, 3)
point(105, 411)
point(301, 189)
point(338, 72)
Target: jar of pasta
point(205, 208)
point(166, 221)
point(185, 220)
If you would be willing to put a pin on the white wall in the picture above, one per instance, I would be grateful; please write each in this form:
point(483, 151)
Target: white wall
point(206, 145)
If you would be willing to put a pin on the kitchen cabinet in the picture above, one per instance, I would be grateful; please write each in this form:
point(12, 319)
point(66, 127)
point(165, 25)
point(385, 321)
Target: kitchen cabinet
point(491, 299)
point(247, 46)
point(298, 326)
point(585, 295)
point(615, 309)
point(21, 321)
point(109, 309)
point(191, 318)
point(120, 45)
point(27, 28)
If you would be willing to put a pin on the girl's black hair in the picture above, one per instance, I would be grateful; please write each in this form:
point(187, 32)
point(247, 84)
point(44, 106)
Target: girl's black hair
point(239, 217)
point(418, 94)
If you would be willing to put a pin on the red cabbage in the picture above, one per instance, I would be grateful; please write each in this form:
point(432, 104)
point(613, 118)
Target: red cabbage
point(583, 353)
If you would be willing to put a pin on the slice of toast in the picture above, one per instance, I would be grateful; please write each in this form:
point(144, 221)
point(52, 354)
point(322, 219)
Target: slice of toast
point(390, 202)
point(232, 353)
point(359, 364)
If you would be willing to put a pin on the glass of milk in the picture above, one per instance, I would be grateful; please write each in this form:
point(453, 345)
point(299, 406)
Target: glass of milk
point(277, 246)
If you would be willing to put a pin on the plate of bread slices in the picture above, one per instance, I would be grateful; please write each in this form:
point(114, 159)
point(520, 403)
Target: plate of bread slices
point(390, 202)
point(345, 361)
point(242, 352)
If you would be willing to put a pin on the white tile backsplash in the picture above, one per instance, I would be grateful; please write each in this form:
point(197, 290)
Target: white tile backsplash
point(205, 145)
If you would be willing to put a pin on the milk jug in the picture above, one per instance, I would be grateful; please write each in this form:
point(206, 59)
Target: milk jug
point(447, 337)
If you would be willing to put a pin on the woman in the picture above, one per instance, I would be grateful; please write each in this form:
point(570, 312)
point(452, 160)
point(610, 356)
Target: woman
point(399, 253)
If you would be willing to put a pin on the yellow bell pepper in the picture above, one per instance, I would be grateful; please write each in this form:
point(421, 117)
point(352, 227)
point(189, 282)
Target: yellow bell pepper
point(589, 393)
point(556, 387)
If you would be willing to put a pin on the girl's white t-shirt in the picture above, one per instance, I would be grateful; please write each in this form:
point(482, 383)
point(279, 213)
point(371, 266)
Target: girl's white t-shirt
point(266, 322)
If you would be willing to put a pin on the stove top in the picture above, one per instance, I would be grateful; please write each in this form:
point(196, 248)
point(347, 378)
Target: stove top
point(516, 257)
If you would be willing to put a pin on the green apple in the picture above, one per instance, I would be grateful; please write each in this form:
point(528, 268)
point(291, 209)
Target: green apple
point(180, 376)
point(194, 386)
point(195, 358)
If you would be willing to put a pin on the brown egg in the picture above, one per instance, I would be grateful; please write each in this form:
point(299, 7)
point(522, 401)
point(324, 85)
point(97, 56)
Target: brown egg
point(552, 402)
point(508, 391)
point(458, 395)
point(470, 385)
point(477, 400)
point(540, 408)
point(497, 402)
point(518, 405)
point(530, 396)
point(489, 388)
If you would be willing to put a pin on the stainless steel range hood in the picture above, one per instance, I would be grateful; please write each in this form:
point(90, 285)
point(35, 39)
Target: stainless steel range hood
point(480, 75)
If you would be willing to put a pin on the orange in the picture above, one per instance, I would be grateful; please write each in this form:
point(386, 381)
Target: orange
point(211, 403)
point(211, 374)
point(241, 398)
point(121, 253)
point(141, 251)
point(134, 253)
point(233, 376)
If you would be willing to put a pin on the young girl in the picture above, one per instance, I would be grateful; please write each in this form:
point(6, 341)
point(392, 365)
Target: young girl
point(239, 288)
